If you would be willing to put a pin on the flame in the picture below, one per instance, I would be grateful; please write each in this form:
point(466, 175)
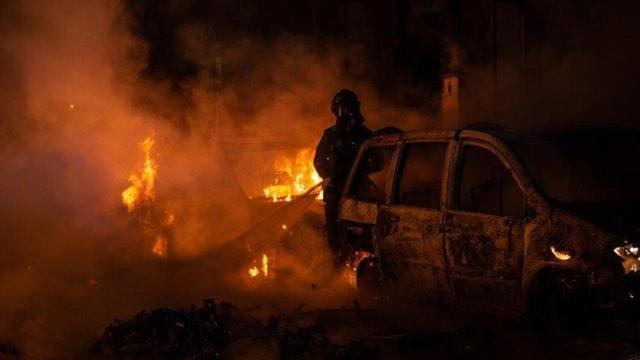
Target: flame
point(265, 265)
point(254, 271)
point(141, 191)
point(142, 185)
point(295, 177)
point(160, 247)
point(278, 192)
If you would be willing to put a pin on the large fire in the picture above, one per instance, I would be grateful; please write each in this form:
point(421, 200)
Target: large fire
point(295, 177)
point(140, 194)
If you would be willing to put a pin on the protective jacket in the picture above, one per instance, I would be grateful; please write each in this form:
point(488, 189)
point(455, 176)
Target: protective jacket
point(336, 153)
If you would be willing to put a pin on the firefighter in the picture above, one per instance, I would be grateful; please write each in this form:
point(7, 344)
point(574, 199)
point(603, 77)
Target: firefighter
point(334, 157)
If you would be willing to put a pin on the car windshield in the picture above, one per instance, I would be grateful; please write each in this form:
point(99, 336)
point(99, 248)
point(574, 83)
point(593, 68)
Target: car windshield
point(585, 167)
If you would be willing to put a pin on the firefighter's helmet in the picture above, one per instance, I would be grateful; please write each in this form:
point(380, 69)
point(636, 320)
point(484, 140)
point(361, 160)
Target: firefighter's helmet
point(346, 106)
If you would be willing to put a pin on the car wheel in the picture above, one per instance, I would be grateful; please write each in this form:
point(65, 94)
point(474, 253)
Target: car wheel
point(555, 301)
point(368, 278)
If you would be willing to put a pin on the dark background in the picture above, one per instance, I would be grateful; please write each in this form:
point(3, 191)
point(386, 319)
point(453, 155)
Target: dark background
point(520, 63)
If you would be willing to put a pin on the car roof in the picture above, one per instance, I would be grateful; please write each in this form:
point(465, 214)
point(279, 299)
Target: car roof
point(497, 134)
point(413, 135)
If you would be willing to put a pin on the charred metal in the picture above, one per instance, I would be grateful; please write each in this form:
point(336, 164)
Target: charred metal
point(481, 232)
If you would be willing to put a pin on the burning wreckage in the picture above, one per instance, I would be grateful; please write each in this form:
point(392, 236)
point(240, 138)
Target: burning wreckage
point(290, 178)
point(539, 224)
point(495, 220)
point(488, 219)
point(532, 224)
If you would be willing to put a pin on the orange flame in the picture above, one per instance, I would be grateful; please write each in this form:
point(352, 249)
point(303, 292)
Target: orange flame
point(265, 265)
point(160, 247)
point(254, 271)
point(141, 191)
point(299, 175)
point(142, 184)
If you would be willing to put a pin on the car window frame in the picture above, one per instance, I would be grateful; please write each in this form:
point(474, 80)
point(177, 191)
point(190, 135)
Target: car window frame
point(456, 174)
point(450, 147)
point(389, 176)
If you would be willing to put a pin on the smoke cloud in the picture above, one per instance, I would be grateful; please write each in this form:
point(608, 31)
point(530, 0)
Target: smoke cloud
point(78, 97)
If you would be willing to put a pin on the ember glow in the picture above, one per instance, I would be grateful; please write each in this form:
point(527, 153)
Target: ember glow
point(160, 247)
point(358, 256)
point(294, 177)
point(142, 184)
point(352, 266)
point(169, 219)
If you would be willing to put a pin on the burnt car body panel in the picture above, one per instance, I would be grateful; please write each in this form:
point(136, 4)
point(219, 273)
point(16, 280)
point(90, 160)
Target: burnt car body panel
point(412, 242)
point(485, 259)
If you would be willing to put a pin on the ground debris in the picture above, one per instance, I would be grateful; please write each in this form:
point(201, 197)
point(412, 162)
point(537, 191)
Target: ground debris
point(218, 331)
point(196, 332)
point(8, 351)
point(313, 343)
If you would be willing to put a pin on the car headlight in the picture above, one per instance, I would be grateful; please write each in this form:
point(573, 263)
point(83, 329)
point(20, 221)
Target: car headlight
point(559, 254)
point(630, 256)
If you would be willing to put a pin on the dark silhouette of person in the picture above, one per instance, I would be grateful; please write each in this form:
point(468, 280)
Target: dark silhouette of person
point(335, 155)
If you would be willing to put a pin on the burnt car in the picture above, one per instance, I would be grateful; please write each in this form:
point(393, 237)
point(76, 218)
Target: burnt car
point(500, 221)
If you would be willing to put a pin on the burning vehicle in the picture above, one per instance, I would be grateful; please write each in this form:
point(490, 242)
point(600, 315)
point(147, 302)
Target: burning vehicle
point(535, 224)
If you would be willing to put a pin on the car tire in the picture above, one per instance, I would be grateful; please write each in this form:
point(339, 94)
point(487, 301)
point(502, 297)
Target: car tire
point(368, 279)
point(553, 304)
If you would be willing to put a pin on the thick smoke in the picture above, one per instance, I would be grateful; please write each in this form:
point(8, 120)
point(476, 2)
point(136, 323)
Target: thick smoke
point(76, 105)
point(69, 139)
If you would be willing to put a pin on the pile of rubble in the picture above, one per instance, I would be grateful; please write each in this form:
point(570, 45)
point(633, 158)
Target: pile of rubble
point(164, 333)
point(218, 331)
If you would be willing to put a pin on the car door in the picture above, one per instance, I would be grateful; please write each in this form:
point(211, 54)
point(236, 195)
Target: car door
point(485, 229)
point(367, 188)
point(409, 232)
